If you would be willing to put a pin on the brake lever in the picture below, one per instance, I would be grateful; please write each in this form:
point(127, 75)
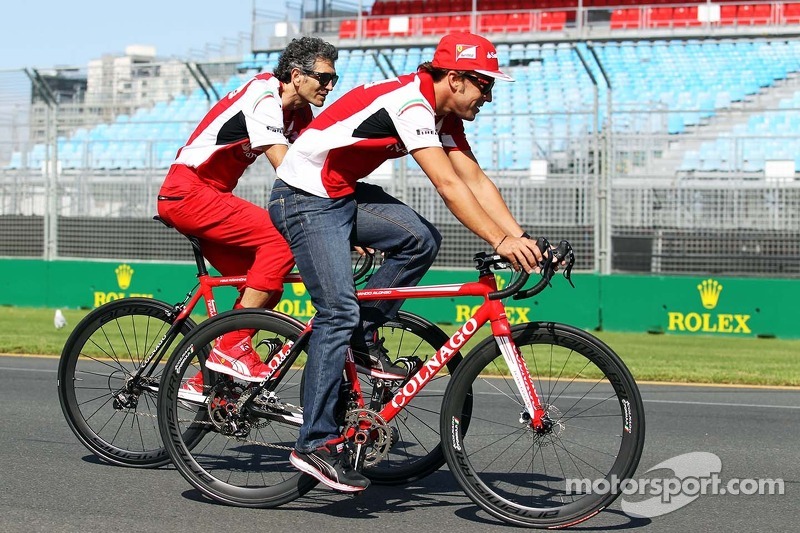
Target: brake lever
point(564, 252)
point(568, 271)
point(548, 269)
point(547, 258)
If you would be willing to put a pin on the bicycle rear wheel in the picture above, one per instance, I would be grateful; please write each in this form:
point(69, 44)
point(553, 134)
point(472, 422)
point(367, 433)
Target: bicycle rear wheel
point(111, 415)
point(522, 476)
point(242, 457)
point(416, 448)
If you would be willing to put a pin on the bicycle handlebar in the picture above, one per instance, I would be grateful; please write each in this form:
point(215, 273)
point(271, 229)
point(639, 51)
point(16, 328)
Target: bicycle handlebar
point(510, 289)
point(360, 274)
point(551, 259)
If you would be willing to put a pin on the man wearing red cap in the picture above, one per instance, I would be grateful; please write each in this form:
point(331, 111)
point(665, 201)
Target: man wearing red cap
point(319, 206)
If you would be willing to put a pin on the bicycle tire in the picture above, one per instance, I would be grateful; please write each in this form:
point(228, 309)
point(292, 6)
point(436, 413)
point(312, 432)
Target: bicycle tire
point(107, 346)
point(417, 452)
point(246, 471)
point(520, 476)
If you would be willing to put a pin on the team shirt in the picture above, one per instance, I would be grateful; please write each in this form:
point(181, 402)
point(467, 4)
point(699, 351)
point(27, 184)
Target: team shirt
point(365, 127)
point(233, 133)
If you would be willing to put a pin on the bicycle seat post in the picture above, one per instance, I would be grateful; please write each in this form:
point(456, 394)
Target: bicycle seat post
point(198, 256)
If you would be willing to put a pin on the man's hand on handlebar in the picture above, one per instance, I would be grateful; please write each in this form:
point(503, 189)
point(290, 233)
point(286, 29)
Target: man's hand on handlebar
point(364, 251)
point(521, 252)
point(525, 252)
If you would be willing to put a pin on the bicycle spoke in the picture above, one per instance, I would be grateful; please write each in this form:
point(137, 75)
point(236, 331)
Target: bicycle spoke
point(103, 399)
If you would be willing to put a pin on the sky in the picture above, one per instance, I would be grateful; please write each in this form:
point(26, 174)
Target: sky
point(49, 33)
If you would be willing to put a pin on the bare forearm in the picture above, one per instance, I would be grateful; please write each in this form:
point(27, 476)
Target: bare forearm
point(470, 212)
point(492, 202)
point(484, 189)
point(453, 179)
point(275, 154)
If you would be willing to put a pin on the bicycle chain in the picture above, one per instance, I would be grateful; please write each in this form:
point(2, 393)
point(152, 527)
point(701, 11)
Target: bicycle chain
point(248, 441)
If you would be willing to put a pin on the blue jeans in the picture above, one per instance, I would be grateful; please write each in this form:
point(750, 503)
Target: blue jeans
point(321, 232)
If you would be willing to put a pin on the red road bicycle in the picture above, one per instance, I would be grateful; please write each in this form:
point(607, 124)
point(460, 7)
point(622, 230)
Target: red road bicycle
point(111, 364)
point(529, 408)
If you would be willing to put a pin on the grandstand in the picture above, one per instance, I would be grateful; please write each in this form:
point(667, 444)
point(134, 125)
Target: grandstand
point(660, 137)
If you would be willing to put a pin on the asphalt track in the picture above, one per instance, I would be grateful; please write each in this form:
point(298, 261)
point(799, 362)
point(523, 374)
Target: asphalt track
point(50, 482)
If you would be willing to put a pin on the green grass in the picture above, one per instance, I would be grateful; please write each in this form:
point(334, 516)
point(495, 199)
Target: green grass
point(694, 359)
point(707, 359)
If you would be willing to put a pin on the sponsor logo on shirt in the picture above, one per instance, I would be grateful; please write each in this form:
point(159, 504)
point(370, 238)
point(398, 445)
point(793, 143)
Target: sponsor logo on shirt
point(374, 83)
point(426, 131)
point(398, 148)
point(275, 129)
point(248, 152)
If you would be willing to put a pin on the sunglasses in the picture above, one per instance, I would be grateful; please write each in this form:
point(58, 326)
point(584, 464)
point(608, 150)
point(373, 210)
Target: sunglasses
point(484, 85)
point(324, 78)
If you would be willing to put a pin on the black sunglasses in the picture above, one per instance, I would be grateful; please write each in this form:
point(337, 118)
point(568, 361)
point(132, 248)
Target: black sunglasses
point(324, 78)
point(484, 85)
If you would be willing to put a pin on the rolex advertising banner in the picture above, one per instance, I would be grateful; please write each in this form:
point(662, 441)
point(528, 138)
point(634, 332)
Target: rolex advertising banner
point(85, 284)
point(700, 305)
point(683, 305)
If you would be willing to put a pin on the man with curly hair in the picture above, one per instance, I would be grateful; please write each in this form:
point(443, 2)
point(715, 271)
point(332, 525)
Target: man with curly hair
point(262, 116)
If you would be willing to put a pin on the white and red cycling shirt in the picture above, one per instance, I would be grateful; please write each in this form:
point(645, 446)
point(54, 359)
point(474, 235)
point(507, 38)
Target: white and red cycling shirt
point(233, 133)
point(365, 127)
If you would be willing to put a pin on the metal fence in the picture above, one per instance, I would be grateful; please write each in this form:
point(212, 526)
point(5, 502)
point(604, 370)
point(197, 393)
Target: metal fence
point(620, 195)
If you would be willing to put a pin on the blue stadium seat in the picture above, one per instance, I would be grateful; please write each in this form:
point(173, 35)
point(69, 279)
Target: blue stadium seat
point(15, 162)
point(689, 80)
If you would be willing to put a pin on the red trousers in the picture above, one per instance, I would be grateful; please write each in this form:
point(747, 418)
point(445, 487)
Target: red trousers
point(236, 236)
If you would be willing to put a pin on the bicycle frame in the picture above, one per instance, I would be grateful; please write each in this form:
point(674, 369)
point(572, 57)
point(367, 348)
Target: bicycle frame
point(205, 290)
point(492, 311)
point(521, 441)
point(207, 283)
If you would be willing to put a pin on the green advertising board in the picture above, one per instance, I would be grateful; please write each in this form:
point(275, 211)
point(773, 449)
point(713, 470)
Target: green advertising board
point(700, 305)
point(673, 305)
point(89, 284)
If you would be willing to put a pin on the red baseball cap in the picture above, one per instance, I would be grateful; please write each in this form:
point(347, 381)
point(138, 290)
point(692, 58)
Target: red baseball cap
point(467, 51)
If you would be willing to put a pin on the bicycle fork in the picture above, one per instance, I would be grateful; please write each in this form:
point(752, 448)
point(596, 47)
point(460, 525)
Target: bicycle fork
point(534, 413)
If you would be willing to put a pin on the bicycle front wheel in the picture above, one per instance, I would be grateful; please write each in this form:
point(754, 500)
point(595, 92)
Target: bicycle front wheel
point(595, 427)
point(111, 413)
point(242, 457)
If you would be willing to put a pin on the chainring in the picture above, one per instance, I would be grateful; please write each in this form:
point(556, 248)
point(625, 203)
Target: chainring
point(372, 436)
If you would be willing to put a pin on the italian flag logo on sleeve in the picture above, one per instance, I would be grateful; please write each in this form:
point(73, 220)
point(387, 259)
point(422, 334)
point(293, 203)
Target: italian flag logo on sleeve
point(267, 95)
point(417, 102)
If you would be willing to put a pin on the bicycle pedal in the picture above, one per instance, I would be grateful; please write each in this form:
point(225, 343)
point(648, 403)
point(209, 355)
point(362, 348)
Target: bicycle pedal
point(273, 345)
point(412, 363)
